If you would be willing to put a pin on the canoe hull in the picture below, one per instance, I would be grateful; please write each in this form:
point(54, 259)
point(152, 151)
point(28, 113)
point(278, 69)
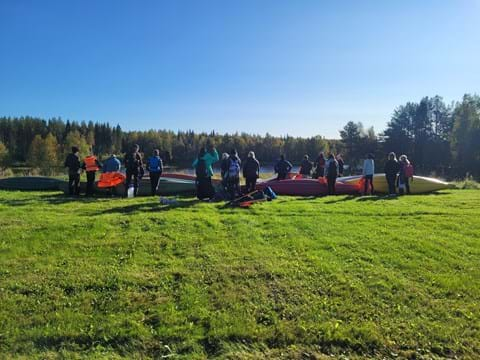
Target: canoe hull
point(419, 185)
point(307, 187)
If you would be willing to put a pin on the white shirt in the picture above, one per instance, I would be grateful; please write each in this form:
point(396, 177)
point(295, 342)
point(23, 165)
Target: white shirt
point(368, 167)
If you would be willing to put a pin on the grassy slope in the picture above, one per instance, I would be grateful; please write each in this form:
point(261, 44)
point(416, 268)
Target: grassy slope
point(132, 277)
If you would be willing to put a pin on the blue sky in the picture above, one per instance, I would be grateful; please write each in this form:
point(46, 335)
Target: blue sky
point(303, 67)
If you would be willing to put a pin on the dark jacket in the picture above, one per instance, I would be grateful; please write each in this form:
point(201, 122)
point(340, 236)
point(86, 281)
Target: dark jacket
point(341, 165)
point(224, 167)
point(283, 167)
point(251, 168)
point(392, 167)
point(133, 162)
point(306, 167)
point(72, 162)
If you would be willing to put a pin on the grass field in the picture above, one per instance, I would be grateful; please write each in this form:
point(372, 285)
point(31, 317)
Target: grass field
point(294, 278)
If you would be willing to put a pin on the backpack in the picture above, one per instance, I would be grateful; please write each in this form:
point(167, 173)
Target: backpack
point(409, 170)
point(201, 169)
point(332, 169)
point(233, 168)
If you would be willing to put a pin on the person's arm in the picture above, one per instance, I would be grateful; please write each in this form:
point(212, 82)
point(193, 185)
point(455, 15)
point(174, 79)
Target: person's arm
point(373, 167)
point(160, 166)
point(364, 166)
point(290, 166)
point(257, 172)
point(194, 164)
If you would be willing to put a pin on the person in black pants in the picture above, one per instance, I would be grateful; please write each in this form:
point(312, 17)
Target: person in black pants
point(155, 169)
point(331, 166)
point(251, 172)
point(392, 167)
point(134, 167)
point(72, 162)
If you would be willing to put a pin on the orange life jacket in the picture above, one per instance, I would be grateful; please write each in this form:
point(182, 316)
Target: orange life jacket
point(91, 163)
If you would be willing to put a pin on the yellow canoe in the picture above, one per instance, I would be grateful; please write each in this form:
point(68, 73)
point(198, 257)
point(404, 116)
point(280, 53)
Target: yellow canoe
point(418, 185)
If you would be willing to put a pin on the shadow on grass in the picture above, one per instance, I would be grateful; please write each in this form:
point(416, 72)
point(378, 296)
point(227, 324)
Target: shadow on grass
point(150, 206)
point(377, 198)
point(341, 199)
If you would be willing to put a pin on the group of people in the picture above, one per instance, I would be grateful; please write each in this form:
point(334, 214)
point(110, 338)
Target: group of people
point(397, 172)
point(134, 169)
point(230, 169)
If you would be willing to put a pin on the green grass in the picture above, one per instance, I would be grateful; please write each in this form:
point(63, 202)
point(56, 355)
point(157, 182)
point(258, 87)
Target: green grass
point(294, 278)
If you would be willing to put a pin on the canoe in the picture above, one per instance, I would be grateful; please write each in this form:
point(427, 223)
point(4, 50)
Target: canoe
point(30, 183)
point(297, 186)
point(419, 184)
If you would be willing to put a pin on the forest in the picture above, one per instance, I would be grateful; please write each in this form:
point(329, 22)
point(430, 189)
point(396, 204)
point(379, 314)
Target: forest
point(440, 139)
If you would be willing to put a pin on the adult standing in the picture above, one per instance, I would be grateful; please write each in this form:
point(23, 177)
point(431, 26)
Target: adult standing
point(72, 162)
point(251, 172)
point(320, 166)
point(282, 168)
point(306, 167)
point(368, 172)
point(331, 173)
point(91, 165)
point(392, 167)
point(341, 165)
point(233, 176)
point(204, 171)
point(155, 169)
point(405, 173)
point(134, 169)
point(112, 164)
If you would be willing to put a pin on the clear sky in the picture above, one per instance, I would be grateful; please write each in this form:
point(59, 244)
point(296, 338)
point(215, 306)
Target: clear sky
point(298, 67)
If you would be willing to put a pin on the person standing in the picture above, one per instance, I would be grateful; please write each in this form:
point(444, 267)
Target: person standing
point(368, 172)
point(251, 172)
point(320, 166)
point(155, 169)
point(91, 165)
point(331, 173)
point(72, 162)
point(224, 169)
point(204, 172)
point(405, 173)
point(112, 164)
point(134, 168)
point(341, 165)
point(306, 167)
point(282, 168)
point(233, 176)
point(392, 167)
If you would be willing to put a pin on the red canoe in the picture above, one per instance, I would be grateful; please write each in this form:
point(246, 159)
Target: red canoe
point(307, 187)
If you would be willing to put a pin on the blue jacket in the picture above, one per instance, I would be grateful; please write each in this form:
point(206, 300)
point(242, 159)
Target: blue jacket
point(155, 164)
point(112, 164)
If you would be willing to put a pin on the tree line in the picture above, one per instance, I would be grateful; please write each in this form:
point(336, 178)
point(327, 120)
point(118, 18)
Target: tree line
point(441, 139)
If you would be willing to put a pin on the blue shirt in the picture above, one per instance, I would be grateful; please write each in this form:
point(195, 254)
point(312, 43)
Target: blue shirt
point(112, 165)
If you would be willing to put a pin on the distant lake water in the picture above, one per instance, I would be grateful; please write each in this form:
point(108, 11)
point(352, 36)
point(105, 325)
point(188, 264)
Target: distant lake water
point(191, 171)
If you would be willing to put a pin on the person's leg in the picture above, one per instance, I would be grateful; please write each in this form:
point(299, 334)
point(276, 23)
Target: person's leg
point(334, 180)
point(407, 185)
point(365, 187)
point(90, 182)
point(154, 177)
point(371, 185)
point(71, 184)
point(135, 184)
point(128, 181)
point(77, 184)
point(254, 184)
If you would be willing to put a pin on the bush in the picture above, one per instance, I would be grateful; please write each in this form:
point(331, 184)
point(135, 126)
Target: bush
point(468, 183)
point(5, 172)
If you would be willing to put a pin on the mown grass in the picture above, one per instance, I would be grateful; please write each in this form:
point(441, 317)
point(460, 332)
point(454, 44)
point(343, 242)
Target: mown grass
point(294, 278)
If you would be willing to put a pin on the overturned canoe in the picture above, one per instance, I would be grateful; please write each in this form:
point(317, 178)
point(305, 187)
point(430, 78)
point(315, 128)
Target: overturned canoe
point(31, 183)
point(419, 184)
point(297, 186)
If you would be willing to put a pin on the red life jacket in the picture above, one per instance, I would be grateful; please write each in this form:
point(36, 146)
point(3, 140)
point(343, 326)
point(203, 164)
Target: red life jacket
point(91, 163)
